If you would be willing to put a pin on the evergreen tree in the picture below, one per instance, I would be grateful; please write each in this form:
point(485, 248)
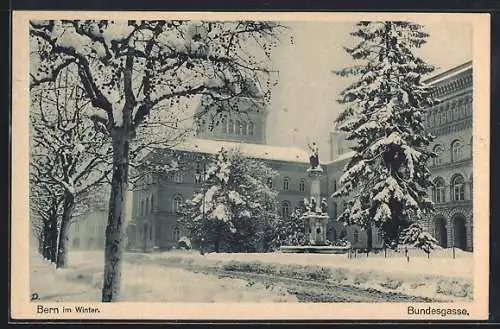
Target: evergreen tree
point(387, 178)
point(235, 207)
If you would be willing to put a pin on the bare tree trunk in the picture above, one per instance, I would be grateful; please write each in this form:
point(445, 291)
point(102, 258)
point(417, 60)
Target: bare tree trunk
point(62, 247)
point(53, 233)
point(115, 229)
point(43, 241)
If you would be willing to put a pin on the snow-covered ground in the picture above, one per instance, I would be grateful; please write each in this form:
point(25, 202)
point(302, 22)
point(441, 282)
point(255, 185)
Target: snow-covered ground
point(440, 277)
point(157, 276)
point(461, 267)
point(82, 281)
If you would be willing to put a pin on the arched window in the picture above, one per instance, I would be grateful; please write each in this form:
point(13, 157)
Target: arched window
point(343, 234)
point(151, 232)
point(230, 127)
point(334, 185)
point(244, 128)
point(380, 236)
point(285, 209)
point(468, 107)
point(177, 203)
point(456, 151)
point(285, 183)
point(146, 230)
point(178, 177)
point(438, 149)
point(438, 193)
point(250, 128)
point(176, 234)
point(457, 188)
point(450, 112)
point(238, 127)
point(152, 203)
point(141, 209)
point(223, 125)
point(146, 211)
point(302, 185)
point(356, 236)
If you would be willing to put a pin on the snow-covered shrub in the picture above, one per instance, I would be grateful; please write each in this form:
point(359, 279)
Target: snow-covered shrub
point(290, 230)
point(416, 237)
point(184, 243)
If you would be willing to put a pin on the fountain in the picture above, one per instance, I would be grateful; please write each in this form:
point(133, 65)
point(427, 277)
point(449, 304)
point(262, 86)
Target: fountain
point(316, 217)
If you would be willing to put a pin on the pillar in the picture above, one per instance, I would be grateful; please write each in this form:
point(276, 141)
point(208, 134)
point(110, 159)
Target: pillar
point(449, 233)
point(469, 231)
point(314, 176)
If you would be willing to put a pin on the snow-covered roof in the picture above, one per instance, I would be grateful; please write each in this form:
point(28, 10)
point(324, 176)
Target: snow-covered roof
point(258, 151)
point(341, 157)
point(449, 73)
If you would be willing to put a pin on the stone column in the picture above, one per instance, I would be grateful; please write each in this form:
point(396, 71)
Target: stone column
point(315, 221)
point(469, 237)
point(314, 175)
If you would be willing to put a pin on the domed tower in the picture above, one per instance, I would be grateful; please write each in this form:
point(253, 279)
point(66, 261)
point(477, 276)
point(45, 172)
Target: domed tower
point(243, 119)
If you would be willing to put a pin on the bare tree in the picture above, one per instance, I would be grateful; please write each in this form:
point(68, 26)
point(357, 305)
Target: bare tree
point(136, 71)
point(45, 208)
point(67, 152)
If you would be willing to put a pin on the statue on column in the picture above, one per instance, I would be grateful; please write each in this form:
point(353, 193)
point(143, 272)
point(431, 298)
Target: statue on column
point(314, 157)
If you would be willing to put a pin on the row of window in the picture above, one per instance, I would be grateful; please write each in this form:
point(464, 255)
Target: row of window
point(457, 189)
point(146, 206)
point(232, 127)
point(148, 231)
point(286, 184)
point(456, 152)
point(451, 113)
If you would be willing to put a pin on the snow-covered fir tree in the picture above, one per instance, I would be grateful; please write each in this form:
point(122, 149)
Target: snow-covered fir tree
point(235, 208)
point(415, 236)
point(388, 176)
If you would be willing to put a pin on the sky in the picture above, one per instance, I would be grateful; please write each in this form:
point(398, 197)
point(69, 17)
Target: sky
point(303, 105)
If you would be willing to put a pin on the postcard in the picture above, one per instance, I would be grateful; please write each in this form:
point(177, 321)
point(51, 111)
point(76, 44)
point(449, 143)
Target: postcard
point(250, 166)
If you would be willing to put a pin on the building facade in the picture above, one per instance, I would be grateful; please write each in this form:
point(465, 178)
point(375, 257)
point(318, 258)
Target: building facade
point(88, 231)
point(451, 122)
point(156, 199)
